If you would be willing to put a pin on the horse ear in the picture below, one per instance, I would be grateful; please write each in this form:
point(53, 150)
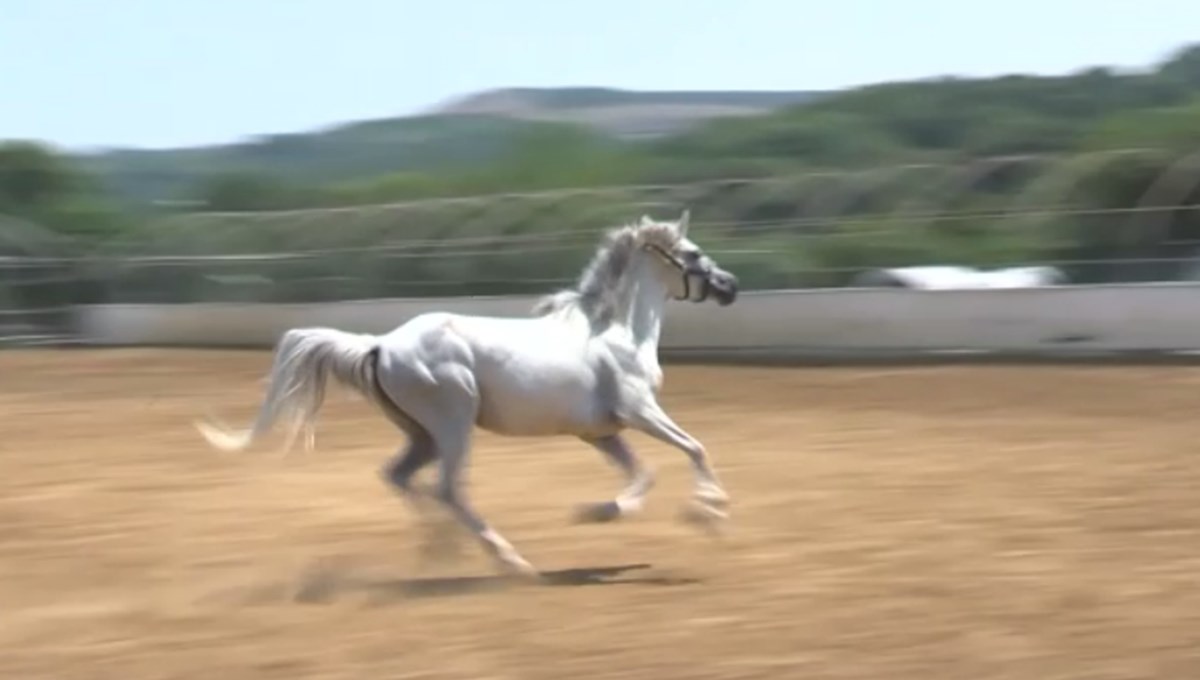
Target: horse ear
point(684, 219)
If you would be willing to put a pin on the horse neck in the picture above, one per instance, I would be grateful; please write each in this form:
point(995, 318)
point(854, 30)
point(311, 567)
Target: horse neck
point(648, 297)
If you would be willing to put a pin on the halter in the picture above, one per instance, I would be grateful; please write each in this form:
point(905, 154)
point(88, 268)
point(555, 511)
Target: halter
point(688, 271)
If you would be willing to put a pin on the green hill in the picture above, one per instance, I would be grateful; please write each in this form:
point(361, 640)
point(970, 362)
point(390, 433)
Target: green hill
point(356, 150)
point(472, 131)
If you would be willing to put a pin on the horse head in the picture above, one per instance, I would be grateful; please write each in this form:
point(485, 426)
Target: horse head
point(644, 251)
point(682, 266)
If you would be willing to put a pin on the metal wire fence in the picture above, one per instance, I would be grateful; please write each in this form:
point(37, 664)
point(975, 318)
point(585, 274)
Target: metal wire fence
point(1127, 215)
point(38, 281)
point(810, 230)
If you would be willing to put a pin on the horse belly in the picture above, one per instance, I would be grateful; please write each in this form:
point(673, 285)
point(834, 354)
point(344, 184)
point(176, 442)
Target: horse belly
point(558, 403)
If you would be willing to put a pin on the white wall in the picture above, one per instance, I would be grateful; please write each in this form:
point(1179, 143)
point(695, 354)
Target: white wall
point(1147, 317)
point(240, 324)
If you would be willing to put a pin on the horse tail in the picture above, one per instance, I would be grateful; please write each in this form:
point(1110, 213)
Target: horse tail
point(304, 359)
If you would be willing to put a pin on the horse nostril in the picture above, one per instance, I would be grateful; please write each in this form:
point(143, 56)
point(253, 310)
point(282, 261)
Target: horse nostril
point(726, 287)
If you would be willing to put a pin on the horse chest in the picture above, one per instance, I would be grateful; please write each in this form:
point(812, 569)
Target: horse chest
point(651, 372)
point(655, 376)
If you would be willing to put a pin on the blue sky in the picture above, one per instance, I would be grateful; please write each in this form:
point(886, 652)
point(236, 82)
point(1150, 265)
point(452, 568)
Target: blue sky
point(155, 73)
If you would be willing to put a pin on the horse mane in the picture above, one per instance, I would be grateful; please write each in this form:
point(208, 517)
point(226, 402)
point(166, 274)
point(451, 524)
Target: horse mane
point(602, 284)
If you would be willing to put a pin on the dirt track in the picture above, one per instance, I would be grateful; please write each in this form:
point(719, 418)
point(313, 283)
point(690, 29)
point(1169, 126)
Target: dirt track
point(991, 522)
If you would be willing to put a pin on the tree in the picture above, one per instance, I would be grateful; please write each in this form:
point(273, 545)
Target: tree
point(1183, 66)
point(247, 191)
point(32, 177)
point(44, 187)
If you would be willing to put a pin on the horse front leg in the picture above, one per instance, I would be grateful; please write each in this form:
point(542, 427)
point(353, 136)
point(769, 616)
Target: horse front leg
point(638, 482)
point(711, 499)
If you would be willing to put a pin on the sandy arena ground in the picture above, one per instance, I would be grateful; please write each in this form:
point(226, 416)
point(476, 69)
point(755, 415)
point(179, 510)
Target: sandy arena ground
point(889, 523)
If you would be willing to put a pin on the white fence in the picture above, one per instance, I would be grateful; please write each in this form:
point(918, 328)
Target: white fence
point(1140, 318)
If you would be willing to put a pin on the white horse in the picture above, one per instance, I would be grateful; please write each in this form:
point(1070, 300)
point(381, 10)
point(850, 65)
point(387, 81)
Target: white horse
point(585, 365)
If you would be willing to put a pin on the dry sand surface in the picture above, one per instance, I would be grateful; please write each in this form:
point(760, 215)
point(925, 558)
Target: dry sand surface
point(889, 523)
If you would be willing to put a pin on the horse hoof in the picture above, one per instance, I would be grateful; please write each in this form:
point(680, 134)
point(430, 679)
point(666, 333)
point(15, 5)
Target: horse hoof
point(704, 517)
point(521, 570)
point(597, 513)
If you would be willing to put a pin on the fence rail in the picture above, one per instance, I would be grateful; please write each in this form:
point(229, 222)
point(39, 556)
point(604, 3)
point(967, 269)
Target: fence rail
point(1125, 215)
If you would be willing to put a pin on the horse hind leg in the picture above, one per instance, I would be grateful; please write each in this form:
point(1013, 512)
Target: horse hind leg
point(639, 481)
point(439, 544)
point(401, 469)
point(447, 411)
point(453, 450)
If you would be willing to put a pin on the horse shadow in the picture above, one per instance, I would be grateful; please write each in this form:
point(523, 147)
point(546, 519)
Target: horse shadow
point(327, 585)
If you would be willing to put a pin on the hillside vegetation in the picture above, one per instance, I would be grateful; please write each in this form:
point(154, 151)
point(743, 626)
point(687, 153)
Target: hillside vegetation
point(522, 141)
point(475, 130)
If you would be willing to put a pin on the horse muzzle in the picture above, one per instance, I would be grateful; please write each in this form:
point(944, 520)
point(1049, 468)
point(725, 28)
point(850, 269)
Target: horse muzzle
point(723, 286)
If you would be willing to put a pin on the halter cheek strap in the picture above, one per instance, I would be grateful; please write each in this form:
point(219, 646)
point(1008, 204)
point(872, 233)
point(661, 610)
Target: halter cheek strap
point(685, 270)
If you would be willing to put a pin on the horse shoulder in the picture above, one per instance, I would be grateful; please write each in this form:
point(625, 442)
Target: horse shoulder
point(615, 392)
point(622, 378)
point(641, 362)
